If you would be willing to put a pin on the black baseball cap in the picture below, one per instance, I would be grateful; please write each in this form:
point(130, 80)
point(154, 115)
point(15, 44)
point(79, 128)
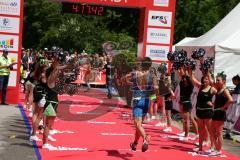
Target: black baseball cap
point(5, 51)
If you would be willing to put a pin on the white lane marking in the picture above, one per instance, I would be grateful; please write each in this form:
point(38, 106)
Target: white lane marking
point(61, 148)
point(177, 137)
point(223, 156)
point(149, 150)
point(116, 134)
point(114, 107)
point(171, 136)
point(72, 100)
point(206, 155)
point(79, 100)
point(148, 125)
point(89, 113)
point(97, 122)
point(193, 153)
point(52, 132)
point(82, 106)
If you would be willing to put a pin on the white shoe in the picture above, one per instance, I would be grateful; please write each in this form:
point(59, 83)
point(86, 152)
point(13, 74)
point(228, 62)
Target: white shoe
point(182, 134)
point(48, 146)
point(160, 124)
point(34, 138)
point(40, 131)
point(22, 81)
point(153, 117)
point(25, 106)
point(215, 153)
point(195, 137)
point(41, 123)
point(196, 149)
point(211, 150)
point(183, 138)
point(147, 120)
point(50, 138)
point(30, 115)
point(204, 143)
point(167, 129)
point(52, 132)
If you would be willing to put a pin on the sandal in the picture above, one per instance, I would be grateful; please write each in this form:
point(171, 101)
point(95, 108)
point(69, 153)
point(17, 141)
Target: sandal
point(133, 146)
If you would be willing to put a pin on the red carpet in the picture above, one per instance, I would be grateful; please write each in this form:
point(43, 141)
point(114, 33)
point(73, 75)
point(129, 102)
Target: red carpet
point(91, 127)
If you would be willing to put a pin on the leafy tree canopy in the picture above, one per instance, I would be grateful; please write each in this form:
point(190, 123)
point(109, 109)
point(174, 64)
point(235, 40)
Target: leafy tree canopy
point(45, 25)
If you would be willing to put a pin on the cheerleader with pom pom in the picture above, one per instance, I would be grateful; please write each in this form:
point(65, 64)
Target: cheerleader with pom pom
point(186, 89)
point(223, 100)
point(204, 107)
point(204, 104)
point(165, 97)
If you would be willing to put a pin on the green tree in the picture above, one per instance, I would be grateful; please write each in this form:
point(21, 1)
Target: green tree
point(196, 17)
point(45, 26)
point(39, 17)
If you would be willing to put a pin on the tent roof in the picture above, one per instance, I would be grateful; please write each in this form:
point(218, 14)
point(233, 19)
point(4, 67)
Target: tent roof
point(230, 45)
point(227, 27)
point(185, 40)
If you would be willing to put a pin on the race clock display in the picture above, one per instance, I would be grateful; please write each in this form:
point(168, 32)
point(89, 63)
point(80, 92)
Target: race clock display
point(83, 9)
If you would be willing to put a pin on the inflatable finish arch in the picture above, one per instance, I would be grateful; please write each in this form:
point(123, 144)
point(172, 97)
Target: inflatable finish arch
point(155, 31)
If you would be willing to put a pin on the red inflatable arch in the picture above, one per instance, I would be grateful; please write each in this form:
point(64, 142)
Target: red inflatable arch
point(156, 24)
point(155, 31)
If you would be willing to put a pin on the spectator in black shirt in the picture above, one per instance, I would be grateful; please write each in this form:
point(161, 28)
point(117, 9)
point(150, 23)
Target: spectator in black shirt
point(236, 81)
point(109, 75)
point(25, 66)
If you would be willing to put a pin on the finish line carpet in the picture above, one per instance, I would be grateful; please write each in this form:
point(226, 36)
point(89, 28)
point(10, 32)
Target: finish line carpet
point(91, 127)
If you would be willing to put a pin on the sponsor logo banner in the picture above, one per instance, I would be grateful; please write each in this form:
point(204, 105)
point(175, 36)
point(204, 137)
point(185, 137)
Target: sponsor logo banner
point(161, 19)
point(9, 42)
point(158, 35)
point(9, 25)
point(157, 52)
point(162, 3)
point(10, 7)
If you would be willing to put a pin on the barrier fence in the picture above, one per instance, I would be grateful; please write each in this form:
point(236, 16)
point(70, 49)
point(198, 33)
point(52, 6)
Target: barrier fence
point(95, 76)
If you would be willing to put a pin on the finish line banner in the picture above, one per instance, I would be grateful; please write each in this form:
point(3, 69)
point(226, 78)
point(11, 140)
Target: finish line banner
point(95, 77)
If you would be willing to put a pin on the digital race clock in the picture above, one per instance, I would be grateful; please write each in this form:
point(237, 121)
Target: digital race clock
point(83, 9)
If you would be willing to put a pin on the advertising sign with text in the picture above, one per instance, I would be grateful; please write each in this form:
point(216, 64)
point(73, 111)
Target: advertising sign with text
point(9, 25)
point(158, 35)
point(9, 42)
point(10, 7)
point(158, 53)
point(162, 3)
point(160, 18)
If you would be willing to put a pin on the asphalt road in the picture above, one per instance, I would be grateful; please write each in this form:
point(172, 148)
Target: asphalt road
point(14, 137)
